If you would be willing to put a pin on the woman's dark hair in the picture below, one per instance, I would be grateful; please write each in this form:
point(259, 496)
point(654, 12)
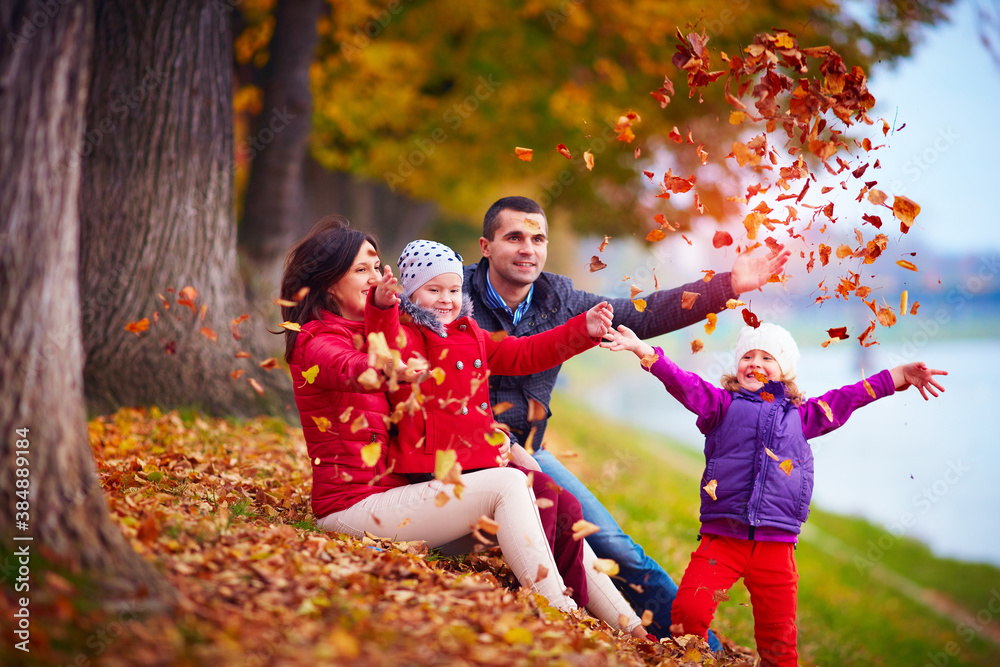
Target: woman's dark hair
point(320, 259)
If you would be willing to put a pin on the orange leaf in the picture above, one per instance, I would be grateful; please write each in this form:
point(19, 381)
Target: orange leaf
point(269, 363)
point(291, 326)
point(187, 296)
point(786, 467)
point(301, 294)
point(596, 264)
point(604, 243)
point(284, 302)
point(696, 346)
point(236, 374)
point(209, 334)
point(709, 274)
point(322, 423)
point(640, 304)
point(688, 299)
point(710, 489)
point(907, 265)
point(712, 321)
point(826, 408)
point(524, 153)
point(767, 396)
point(138, 327)
point(903, 298)
point(583, 528)
point(256, 386)
point(771, 454)
point(906, 210)
point(588, 159)
point(562, 150)
point(656, 235)
point(243, 355)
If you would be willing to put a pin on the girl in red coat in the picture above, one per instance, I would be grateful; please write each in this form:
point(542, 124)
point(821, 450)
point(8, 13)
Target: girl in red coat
point(448, 415)
point(327, 276)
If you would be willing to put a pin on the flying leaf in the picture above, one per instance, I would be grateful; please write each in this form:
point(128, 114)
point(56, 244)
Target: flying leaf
point(604, 243)
point(588, 159)
point(903, 298)
point(562, 150)
point(446, 466)
point(786, 467)
point(709, 274)
point(771, 454)
point(256, 386)
point(907, 265)
point(913, 310)
point(487, 525)
point(750, 318)
point(688, 299)
point(721, 239)
point(596, 264)
point(322, 423)
point(767, 396)
point(310, 374)
point(826, 408)
point(502, 407)
point(524, 153)
point(648, 360)
point(359, 424)
point(606, 566)
point(583, 528)
point(236, 374)
point(635, 291)
point(713, 319)
point(696, 346)
point(733, 304)
point(640, 304)
point(243, 355)
point(710, 489)
point(284, 302)
point(839, 333)
point(291, 326)
point(138, 327)
point(370, 380)
point(656, 235)
point(301, 294)
point(269, 363)
point(187, 296)
point(906, 210)
point(536, 411)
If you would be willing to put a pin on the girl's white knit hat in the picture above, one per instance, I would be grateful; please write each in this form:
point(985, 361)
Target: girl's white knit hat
point(422, 260)
point(771, 339)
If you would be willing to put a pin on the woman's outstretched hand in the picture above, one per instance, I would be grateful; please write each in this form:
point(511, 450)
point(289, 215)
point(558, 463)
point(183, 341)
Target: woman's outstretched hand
point(386, 291)
point(599, 319)
point(917, 374)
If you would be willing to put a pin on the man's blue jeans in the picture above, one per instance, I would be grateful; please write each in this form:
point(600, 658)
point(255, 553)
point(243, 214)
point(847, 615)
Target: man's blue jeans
point(635, 567)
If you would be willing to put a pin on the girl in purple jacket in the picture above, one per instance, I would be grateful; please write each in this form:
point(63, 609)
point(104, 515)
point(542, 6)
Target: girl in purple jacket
point(758, 477)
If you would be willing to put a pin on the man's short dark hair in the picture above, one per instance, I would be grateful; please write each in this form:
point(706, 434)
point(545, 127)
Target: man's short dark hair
point(519, 204)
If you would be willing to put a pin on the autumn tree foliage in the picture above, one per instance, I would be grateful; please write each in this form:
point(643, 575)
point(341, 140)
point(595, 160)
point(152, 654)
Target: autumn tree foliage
point(50, 495)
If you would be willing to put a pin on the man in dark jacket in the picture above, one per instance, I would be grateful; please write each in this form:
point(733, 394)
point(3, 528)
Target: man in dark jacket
point(510, 292)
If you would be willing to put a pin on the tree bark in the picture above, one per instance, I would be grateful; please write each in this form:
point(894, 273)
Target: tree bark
point(44, 447)
point(156, 212)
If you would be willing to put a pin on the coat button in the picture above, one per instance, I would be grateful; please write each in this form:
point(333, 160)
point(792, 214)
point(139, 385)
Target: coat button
point(465, 410)
point(483, 405)
point(444, 334)
point(461, 327)
point(477, 363)
point(459, 365)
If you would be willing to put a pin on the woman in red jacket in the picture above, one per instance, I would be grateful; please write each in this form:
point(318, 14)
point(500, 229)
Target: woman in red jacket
point(328, 276)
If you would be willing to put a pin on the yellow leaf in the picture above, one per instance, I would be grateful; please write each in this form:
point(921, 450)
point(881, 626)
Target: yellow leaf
point(310, 374)
point(359, 424)
point(640, 304)
point(733, 304)
point(438, 374)
point(583, 528)
point(138, 327)
point(907, 265)
point(445, 461)
point(771, 454)
point(606, 566)
point(519, 635)
point(903, 298)
point(736, 117)
point(322, 423)
point(370, 379)
point(524, 153)
point(291, 326)
point(786, 467)
point(371, 453)
point(826, 408)
point(710, 489)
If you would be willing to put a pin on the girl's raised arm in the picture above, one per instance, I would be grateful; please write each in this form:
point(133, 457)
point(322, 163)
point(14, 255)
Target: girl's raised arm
point(917, 374)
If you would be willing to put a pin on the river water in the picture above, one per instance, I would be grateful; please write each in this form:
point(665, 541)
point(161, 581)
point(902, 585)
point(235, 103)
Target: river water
point(926, 470)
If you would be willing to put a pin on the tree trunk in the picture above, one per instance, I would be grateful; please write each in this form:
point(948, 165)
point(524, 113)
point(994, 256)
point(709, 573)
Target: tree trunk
point(156, 213)
point(277, 143)
point(44, 446)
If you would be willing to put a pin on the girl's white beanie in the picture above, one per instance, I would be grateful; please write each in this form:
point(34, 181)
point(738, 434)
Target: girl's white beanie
point(422, 260)
point(774, 340)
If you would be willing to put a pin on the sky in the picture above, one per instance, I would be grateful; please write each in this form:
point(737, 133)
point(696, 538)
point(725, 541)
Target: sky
point(948, 96)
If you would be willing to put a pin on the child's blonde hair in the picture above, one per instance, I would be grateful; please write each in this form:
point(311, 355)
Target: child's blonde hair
point(795, 395)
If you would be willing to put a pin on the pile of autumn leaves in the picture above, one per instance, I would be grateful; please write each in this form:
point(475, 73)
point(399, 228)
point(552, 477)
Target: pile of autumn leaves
point(222, 510)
